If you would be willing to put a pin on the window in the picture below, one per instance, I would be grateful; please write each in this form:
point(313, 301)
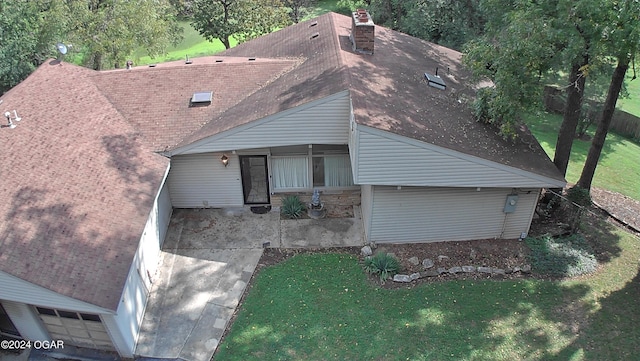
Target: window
point(304, 167)
point(290, 172)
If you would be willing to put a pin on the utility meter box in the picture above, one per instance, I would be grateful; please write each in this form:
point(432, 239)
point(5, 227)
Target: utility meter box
point(510, 204)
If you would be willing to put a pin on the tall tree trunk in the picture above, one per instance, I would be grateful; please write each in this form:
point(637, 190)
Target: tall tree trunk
point(597, 143)
point(571, 116)
point(225, 42)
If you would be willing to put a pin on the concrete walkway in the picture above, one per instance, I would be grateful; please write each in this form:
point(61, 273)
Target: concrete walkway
point(208, 258)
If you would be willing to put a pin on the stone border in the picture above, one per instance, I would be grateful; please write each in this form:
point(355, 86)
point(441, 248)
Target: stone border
point(427, 263)
point(402, 278)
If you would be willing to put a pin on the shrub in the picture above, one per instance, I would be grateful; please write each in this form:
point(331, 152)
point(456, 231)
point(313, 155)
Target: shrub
point(579, 195)
point(568, 256)
point(292, 207)
point(382, 264)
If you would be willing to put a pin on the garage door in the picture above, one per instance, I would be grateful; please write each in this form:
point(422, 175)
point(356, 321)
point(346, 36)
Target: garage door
point(76, 328)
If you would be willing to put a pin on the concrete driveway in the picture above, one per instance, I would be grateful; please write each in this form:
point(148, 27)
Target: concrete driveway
point(207, 260)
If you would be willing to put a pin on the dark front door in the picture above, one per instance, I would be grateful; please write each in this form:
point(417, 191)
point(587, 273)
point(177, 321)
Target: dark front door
point(255, 181)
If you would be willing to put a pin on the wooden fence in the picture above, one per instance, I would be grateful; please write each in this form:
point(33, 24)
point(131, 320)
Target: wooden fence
point(622, 123)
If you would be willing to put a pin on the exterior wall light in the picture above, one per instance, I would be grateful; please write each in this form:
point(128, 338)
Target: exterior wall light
point(225, 160)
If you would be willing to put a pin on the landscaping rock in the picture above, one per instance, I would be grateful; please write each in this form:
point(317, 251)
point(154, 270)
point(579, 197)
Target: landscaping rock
point(468, 269)
point(526, 268)
point(472, 254)
point(427, 263)
point(454, 270)
point(429, 273)
point(414, 276)
point(442, 270)
point(517, 269)
point(366, 251)
point(401, 278)
point(508, 270)
point(484, 269)
point(414, 261)
point(442, 258)
point(498, 271)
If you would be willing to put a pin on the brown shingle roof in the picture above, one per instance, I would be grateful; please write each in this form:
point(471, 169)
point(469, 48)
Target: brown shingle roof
point(388, 90)
point(156, 100)
point(77, 187)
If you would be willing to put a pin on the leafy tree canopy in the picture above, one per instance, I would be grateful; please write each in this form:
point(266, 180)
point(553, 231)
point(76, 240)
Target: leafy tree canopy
point(241, 19)
point(28, 34)
point(109, 31)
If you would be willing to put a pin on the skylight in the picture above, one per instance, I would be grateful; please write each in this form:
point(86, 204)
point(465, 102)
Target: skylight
point(435, 81)
point(201, 98)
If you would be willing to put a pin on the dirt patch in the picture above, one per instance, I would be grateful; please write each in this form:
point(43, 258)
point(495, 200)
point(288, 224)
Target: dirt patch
point(333, 211)
point(625, 209)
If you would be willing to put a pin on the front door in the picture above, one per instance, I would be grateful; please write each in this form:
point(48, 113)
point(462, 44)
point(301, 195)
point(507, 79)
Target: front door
point(255, 181)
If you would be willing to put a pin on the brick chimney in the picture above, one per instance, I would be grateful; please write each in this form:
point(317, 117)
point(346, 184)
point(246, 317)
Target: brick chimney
point(362, 32)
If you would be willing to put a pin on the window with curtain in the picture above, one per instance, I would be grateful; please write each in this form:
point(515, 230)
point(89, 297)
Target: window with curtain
point(290, 172)
point(337, 171)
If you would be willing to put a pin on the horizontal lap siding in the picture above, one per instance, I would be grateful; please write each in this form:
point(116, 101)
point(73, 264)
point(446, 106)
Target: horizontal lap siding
point(419, 214)
point(18, 290)
point(366, 202)
point(322, 122)
point(386, 161)
point(201, 180)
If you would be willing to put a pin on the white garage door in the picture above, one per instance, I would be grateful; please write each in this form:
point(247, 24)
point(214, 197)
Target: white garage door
point(76, 328)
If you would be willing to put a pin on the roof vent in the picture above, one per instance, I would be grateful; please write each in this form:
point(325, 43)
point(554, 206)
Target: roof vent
point(314, 35)
point(10, 122)
point(313, 24)
point(201, 98)
point(252, 59)
point(435, 81)
point(218, 60)
point(188, 61)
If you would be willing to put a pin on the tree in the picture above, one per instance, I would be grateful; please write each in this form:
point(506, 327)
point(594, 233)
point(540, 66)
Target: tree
point(451, 23)
point(623, 37)
point(298, 9)
point(240, 19)
point(29, 31)
point(109, 31)
point(516, 52)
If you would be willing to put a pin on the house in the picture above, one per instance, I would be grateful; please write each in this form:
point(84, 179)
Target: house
point(92, 170)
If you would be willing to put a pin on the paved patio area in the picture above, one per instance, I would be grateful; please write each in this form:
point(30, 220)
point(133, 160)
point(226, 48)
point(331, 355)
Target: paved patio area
point(208, 258)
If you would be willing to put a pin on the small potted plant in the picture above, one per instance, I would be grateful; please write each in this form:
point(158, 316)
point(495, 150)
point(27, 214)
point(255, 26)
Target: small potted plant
point(316, 208)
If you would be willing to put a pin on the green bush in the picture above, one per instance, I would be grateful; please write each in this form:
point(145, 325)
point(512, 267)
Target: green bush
point(382, 264)
point(579, 195)
point(292, 207)
point(566, 257)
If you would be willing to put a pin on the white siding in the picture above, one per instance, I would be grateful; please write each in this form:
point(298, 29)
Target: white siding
point(420, 214)
point(201, 181)
point(26, 321)
point(18, 290)
point(366, 202)
point(324, 121)
point(388, 159)
point(125, 326)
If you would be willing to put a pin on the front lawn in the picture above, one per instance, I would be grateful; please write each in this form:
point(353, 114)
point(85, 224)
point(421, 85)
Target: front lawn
point(619, 166)
point(323, 307)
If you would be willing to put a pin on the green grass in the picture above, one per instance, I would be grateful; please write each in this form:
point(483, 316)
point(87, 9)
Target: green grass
point(619, 166)
point(322, 307)
point(192, 44)
point(632, 103)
